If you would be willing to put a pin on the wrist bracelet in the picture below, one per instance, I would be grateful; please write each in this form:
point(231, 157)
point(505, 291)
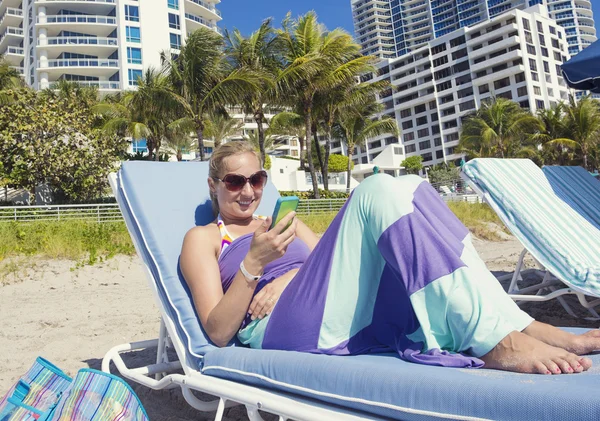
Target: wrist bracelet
point(249, 277)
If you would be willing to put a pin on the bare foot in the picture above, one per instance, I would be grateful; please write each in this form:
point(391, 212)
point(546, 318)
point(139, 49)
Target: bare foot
point(577, 344)
point(524, 354)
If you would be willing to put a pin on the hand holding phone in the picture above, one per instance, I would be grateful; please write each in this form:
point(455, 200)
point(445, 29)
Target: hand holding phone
point(284, 206)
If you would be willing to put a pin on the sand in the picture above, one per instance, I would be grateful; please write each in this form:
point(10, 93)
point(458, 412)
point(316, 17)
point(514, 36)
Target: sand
point(72, 315)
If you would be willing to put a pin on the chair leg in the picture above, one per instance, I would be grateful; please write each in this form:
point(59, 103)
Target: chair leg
point(517, 274)
point(254, 415)
point(163, 345)
point(220, 409)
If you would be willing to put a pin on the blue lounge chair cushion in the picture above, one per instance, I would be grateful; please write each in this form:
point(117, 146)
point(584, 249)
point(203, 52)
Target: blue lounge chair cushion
point(162, 201)
point(385, 385)
point(556, 234)
point(578, 188)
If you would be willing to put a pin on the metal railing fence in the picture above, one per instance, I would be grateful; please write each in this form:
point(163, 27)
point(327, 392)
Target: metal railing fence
point(110, 212)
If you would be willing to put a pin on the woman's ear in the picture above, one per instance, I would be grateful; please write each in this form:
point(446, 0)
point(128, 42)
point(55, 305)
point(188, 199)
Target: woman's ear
point(211, 186)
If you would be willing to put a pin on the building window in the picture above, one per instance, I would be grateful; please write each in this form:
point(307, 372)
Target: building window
point(409, 136)
point(438, 49)
point(522, 91)
point(552, 30)
point(424, 145)
point(546, 67)
point(405, 113)
point(407, 125)
point(420, 109)
point(435, 117)
point(526, 24)
point(484, 89)
point(557, 56)
point(410, 148)
point(540, 27)
point(134, 55)
point(468, 105)
point(531, 49)
point(397, 150)
point(555, 43)
point(139, 146)
point(520, 77)
point(133, 34)
point(532, 65)
point(132, 13)
point(422, 120)
point(432, 105)
point(539, 104)
point(535, 76)
point(175, 40)
point(439, 154)
point(537, 90)
point(427, 156)
point(173, 4)
point(174, 21)
point(437, 141)
point(502, 83)
point(134, 75)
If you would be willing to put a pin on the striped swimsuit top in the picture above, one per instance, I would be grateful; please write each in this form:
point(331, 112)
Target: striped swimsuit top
point(226, 238)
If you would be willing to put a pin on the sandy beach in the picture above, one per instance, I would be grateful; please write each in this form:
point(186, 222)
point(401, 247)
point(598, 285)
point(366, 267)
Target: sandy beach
point(73, 315)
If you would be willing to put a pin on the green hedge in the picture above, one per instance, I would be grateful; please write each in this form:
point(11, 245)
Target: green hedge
point(324, 194)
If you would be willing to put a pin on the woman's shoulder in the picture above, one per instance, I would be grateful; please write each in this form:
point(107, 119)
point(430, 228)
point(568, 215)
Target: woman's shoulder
point(205, 235)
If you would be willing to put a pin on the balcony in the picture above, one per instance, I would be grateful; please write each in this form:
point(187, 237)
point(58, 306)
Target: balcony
point(100, 25)
point(200, 7)
point(84, 67)
point(194, 22)
point(11, 17)
point(11, 36)
point(503, 58)
point(101, 85)
point(14, 55)
point(100, 7)
point(82, 45)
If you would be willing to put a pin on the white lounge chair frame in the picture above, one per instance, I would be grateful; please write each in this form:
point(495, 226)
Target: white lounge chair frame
point(165, 374)
point(549, 288)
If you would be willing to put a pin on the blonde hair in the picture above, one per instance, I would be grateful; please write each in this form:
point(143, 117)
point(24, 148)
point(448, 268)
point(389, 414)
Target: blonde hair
point(217, 162)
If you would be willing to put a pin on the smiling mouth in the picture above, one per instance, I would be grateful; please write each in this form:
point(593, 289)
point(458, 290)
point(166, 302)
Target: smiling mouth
point(245, 203)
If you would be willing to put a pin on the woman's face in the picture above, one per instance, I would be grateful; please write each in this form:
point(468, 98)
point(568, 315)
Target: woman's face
point(238, 204)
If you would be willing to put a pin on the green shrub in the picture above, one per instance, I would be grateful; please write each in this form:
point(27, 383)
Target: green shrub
point(304, 195)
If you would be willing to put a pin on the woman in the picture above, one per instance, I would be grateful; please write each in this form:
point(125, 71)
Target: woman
point(395, 271)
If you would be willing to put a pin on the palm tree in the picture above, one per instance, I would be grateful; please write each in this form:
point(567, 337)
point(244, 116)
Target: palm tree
point(357, 125)
point(85, 95)
point(220, 127)
point(583, 127)
point(9, 79)
point(144, 113)
point(260, 53)
point(204, 81)
point(178, 142)
point(496, 129)
point(315, 60)
point(288, 123)
point(552, 128)
point(331, 104)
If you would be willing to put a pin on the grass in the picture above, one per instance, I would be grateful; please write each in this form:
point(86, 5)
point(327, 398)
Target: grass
point(90, 242)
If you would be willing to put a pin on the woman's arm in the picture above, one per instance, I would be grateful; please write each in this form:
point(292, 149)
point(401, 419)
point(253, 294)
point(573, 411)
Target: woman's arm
point(220, 314)
point(304, 233)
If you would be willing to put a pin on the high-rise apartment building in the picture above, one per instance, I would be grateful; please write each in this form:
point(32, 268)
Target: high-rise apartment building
point(391, 28)
point(516, 55)
point(103, 43)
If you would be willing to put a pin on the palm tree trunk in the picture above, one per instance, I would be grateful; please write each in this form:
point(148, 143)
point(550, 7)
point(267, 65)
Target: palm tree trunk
point(200, 134)
point(301, 142)
point(179, 155)
point(150, 147)
point(325, 165)
point(157, 149)
point(349, 169)
point(311, 166)
point(259, 118)
point(317, 147)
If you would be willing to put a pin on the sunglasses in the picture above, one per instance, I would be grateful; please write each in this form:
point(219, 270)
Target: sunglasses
point(236, 182)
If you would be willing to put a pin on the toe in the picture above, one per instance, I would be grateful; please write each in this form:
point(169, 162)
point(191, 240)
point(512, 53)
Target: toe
point(573, 361)
point(564, 365)
point(586, 363)
point(553, 367)
point(593, 333)
point(540, 368)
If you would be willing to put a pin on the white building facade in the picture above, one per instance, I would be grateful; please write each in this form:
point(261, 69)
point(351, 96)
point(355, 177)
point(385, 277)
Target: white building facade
point(102, 43)
point(516, 55)
point(391, 28)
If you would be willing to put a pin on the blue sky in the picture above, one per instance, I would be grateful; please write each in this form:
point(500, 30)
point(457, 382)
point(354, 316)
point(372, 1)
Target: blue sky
point(247, 15)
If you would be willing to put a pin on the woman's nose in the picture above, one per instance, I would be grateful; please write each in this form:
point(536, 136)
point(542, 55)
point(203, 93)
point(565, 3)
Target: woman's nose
point(248, 189)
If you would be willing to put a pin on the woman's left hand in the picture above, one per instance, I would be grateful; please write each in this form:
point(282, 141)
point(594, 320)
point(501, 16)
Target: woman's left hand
point(264, 301)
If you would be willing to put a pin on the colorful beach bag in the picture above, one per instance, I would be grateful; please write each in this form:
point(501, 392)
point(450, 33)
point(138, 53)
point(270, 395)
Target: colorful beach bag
point(46, 393)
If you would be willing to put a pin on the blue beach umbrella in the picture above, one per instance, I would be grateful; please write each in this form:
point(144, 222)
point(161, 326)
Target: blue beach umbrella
point(582, 72)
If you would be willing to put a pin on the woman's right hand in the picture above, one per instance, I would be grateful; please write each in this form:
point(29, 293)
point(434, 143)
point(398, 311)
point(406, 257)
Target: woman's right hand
point(268, 245)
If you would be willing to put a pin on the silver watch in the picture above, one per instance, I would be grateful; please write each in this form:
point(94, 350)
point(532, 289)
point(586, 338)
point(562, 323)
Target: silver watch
point(249, 277)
